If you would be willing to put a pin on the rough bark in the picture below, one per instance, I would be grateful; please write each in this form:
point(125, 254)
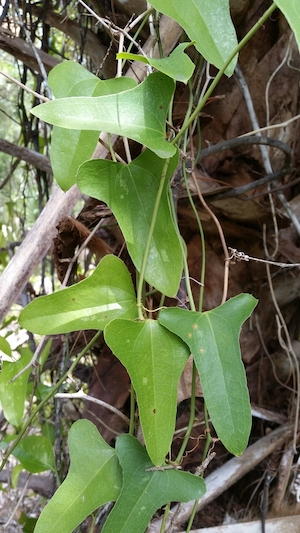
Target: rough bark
point(92, 45)
point(31, 157)
point(23, 51)
point(38, 240)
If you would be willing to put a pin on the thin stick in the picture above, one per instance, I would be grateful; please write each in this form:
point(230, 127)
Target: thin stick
point(80, 395)
point(35, 52)
point(30, 91)
point(82, 247)
point(237, 256)
point(272, 126)
point(221, 233)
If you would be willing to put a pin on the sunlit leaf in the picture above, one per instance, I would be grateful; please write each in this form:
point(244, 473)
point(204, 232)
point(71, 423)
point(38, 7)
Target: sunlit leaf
point(138, 113)
point(177, 66)
point(130, 191)
point(213, 338)
point(208, 24)
point(13, 393)
point(94, 478)
point(144, 491)
point(106, 294)
point(154, 359)
point(5, 346)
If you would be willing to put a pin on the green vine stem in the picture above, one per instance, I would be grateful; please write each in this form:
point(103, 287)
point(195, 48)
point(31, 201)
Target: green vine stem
point(218, 77)
point(192, 417)
point(46, 399)
point(148, 243)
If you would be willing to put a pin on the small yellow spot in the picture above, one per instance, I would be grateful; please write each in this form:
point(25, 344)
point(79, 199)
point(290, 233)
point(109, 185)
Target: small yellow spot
point(190, 335)
point(195, 326)
point(202, 350)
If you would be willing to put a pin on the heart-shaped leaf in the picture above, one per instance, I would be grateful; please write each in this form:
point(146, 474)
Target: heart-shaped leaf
point(213, 338)
point(35, 453)
point(130, 191)
point(154, 359)
point(138, 113)
point(144, 491)
point(70, 148)
point(106, 294)
point(94, 478)
point(208, 24)
point(177, 66)
point(13, 393)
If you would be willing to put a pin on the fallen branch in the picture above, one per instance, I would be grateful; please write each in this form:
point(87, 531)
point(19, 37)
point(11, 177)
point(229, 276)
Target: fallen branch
point(38, 240)
point(228, 474)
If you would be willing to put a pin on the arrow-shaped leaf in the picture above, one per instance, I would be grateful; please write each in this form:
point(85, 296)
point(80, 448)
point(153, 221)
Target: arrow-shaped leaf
point(70, 148)
point(154, 359)
point(130, 191)
point(138, 113)
point(213, 340)
point(94, 478)
point(106, 294)
point(144, 491)
point(177, 66)
point(208, 24)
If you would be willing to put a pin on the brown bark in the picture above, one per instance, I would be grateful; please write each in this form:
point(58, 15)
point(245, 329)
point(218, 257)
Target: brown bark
point(39, 239)
point(35, 159)
point(92, 45)
point(23, 51)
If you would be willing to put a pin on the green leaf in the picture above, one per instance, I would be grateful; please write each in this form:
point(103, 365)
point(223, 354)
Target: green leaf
point(94, 478)
point(106, 294)
point(213, 340)
point(130, 191)
point(13, 394)
point(138, 113)
point(291, 11)
point(5, 346)
point(35, 453)
point(15, 474)
point(143, 491)
point(70, 148)
point(208, 24)
point(177, 66)
point(154, 359)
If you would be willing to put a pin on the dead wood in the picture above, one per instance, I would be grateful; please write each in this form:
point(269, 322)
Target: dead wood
point(92, 45)
point(225, 476)
point(38, 240)
point(25, 154)
point(23, 51)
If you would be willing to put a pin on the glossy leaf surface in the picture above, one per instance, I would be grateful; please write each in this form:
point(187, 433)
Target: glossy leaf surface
point(13, 393)
point(138, 113)
point(94, 478)
point(213, 338)
point(143, 491)
point(70, 148)
point(177, 66)
point(106, 294)
point(208, 24)
point(154, 359)
point(130, 191)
